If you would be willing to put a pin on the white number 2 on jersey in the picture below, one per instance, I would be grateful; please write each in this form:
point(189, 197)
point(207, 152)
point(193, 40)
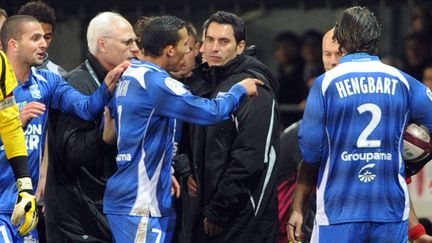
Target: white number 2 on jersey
point(362, 141)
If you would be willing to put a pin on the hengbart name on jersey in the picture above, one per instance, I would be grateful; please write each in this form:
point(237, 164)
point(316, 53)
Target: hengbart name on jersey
point(366, 85)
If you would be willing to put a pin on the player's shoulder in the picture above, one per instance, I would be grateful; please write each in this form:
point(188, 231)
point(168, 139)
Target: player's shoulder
point(43, 75)
point(138, 67)
point(142, 73)
point(8, 79)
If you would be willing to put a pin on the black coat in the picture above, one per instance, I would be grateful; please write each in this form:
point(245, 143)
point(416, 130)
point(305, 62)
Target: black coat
point(235, 160)
point(79, 165)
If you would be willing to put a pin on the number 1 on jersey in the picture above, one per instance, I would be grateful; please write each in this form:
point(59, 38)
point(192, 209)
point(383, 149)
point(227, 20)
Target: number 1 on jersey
point(119, 115)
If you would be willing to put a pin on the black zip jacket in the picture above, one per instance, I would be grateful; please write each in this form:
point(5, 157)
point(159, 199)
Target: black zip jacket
point(79, 165)
point(235, 160)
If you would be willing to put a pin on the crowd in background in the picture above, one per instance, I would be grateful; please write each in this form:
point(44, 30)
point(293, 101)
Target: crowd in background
point(299, 61)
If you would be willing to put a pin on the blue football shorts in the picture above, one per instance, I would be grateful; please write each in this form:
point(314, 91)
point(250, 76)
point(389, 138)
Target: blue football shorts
point(361, 232)
point(126, 228)
point(9, 233)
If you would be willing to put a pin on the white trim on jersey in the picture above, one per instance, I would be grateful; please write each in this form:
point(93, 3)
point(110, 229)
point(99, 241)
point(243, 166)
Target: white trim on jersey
point(360, 67)
point(315, 233)
point(268, 158)
point(147, 65)
point(147, 187)
point(402, 180)
point(321, 217)
point(119, 114)
point(37, 75)
point(4, 234)
point(138, 74)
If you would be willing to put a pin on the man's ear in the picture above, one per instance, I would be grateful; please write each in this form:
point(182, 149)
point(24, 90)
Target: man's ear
point(101, 44)
point(169, 50)
point(13, 45)
point(240, 47)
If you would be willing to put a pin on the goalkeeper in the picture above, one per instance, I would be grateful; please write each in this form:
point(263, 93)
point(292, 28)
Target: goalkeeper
point(24, 214)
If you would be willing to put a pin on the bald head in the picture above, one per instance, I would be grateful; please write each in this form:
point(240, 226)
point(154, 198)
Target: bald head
point(330, 49)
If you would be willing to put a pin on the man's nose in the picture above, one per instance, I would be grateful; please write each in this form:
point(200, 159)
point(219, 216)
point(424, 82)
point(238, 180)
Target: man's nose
point(134, 47)
point(214, 46)
point(334, 60)
point(43, 44)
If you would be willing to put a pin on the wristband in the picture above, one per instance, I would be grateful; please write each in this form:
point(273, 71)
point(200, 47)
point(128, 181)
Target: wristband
point(415, 232)
point(408, 180)
point(24, 184)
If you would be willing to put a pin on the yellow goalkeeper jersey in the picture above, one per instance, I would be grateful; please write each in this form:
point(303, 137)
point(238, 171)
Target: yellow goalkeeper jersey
point(10, 125)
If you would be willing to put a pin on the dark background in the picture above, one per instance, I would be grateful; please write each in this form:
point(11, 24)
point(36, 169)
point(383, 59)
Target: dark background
point(264, 18)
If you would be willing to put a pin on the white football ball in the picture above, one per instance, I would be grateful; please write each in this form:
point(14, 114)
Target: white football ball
point(416, 143)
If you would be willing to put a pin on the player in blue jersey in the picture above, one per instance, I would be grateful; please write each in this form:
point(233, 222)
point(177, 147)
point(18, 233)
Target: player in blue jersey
point(331, 56)
point(147, 102)
point(37, 92)
point(352, 129)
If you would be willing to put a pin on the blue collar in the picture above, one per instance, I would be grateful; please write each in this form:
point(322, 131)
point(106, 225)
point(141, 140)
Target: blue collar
point(30, 80)
point(140, 62)
point(358, 57)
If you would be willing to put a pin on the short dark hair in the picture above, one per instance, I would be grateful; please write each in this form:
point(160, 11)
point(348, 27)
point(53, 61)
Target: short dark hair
point(12, 28)
point(191, 30)
point(358, 30)
point(159, 33)
point(40, 10)
point(138, 27)
point(222, 17)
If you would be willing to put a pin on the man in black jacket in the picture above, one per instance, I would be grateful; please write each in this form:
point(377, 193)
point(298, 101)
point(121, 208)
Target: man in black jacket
point(234, 161)
point(79, 161)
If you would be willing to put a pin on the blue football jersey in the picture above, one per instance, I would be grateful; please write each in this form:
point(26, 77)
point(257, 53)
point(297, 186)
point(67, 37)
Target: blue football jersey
point(352, 126)
point(50, 89)
point(146, 104)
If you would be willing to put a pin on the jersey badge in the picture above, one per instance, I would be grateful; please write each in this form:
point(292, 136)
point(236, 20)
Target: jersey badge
point(35, 91)
point(175, 86)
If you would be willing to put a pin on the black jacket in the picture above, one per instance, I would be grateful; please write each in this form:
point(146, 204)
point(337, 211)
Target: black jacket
point(235, 160)
point(79, 165)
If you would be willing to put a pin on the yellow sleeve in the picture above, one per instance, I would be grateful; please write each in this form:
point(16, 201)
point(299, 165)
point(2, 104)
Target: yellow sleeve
point(10, 126)
point(8, 81)
point(12, 132)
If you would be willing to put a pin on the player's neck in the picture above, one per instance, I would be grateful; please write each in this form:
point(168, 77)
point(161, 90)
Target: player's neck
point(106, 65)
point(21, 70)
point(156, 60)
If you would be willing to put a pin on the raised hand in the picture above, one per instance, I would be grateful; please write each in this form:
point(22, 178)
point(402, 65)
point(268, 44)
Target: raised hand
point(250, 84)
point(31, 110)
point(114, 75)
